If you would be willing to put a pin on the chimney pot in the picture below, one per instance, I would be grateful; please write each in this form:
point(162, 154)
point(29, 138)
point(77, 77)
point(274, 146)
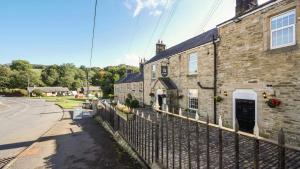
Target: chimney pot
point(160, 46)
point(242, 6)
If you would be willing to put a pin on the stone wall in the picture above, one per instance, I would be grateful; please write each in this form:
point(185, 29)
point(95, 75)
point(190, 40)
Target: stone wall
point(123, 89)
point(178, 73)
point(245, 61)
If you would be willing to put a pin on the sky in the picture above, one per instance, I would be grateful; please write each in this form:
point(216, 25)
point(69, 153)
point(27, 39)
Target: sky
point(59, 31)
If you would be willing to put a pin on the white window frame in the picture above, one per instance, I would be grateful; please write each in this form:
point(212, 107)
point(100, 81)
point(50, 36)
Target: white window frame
point(194, 62)
point(282, 15)
point(153, 71)
point(193, 97)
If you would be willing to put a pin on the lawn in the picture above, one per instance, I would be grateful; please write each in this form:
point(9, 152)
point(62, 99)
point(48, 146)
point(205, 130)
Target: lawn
point(66, 102)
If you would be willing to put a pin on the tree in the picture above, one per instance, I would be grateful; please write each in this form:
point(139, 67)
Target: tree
point(5, 73)
point(20, 65)
point(50, 75)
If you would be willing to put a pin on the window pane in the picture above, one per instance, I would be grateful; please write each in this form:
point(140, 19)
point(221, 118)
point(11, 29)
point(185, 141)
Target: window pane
point(274, 39)
point(279, 37)
point(292, 18)
point(273, 24)
point(285, 36)
point(285, 21)
point(279, 23)
point(291, 34)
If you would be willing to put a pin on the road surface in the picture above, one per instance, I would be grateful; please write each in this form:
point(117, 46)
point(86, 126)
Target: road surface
point(22, 121)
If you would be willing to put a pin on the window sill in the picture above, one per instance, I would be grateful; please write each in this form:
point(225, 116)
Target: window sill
point(192, 75)
point(283, 49)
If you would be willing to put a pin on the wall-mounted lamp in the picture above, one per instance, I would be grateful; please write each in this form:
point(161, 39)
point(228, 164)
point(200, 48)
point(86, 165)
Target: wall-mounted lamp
point(264, 95)
point(225, 93)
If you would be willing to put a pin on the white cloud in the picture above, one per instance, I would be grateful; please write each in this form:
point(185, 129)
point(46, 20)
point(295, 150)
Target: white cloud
point(154, 7)
point(155, 13)
point(128, 59)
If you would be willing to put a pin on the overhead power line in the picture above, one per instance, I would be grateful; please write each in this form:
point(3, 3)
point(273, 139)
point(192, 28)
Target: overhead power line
point(93, 33)
point(216, 4)
point(169, 19)
point(154, 30)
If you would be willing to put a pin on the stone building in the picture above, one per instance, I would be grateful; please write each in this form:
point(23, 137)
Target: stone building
point(172, 75)
point(132, 83)
point(258, 60)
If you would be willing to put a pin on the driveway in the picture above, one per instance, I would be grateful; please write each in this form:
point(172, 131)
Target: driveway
point(22, 121)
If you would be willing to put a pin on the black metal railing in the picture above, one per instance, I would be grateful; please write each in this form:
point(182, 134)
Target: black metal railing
point(175, 141)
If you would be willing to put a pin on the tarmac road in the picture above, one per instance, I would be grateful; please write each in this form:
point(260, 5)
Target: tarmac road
point(22, 121)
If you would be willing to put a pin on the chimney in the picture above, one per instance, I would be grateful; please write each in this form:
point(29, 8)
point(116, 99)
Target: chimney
point(242, 6)
point(142, 65)
point(160, 46)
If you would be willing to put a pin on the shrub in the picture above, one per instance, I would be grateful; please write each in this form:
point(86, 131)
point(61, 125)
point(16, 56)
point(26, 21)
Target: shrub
point(13, 92)
point(128, 102)
point(134, 104)
point(37, 92)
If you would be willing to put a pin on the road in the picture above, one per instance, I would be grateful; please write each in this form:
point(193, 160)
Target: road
point(22, 121)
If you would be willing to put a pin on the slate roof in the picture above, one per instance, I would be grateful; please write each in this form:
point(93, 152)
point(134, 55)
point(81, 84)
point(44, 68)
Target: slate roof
point(186, 45)
point(133, 77)
point(49, 89)
point(168, 83)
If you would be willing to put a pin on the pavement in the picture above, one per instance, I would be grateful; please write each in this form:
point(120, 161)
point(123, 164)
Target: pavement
point(75, 144)
point(22, 122)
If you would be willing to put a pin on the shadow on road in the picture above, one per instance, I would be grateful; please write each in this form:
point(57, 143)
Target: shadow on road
point(74, 144)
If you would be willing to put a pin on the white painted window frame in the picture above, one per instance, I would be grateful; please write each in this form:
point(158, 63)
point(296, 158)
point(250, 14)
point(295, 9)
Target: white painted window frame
point(193, 97)
point(193, 62)
point(282, 15)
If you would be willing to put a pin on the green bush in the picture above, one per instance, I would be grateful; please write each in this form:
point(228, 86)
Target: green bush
point(13, 92)
point(134, 104)
point(128, 102)
point(37, 92)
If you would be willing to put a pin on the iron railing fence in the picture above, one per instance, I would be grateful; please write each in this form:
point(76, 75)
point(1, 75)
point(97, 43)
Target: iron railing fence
point(176, 141)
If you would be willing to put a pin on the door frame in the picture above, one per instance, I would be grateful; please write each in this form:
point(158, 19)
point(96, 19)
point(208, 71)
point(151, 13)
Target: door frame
point(247, 94)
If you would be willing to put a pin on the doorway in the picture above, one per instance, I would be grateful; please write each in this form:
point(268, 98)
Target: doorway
point(245, 114)
point(160, 101)
point(245, 109)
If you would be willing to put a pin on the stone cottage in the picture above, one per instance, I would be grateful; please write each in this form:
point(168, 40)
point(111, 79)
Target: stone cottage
point(258, 65)
point(132, 83)
point(172, 75)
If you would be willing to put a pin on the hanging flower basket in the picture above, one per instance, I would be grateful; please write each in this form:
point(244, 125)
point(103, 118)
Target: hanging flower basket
point(273, 103)
point(219, 99)
point(151, 95)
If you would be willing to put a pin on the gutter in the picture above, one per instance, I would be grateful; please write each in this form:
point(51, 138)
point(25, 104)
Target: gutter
point(215, 81)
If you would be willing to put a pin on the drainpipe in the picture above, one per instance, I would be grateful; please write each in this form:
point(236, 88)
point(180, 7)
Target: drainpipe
point(215, 81)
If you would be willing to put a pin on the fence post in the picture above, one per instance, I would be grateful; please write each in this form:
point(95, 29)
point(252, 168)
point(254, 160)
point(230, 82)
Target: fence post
point(207, 143)
point(162, 137)
point(256, 153)
point(220, 147)
point(189, 142)
point(281, 149)
point(180, 138)
point(156, 142)
point(197, 145)
point(236, 145)
point(173, 141)
point(167, 136)
point(149, 133)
